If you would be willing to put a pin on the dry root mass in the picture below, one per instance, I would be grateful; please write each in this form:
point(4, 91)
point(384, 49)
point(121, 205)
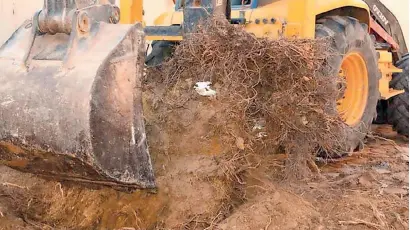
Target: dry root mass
point(272, 96)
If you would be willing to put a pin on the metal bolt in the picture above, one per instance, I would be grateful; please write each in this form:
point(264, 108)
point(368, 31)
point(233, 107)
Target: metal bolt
point(29, 25)
point(265, 21)
point(115, 17)
point(273, 20)
point(84, 22)
point(257, 21)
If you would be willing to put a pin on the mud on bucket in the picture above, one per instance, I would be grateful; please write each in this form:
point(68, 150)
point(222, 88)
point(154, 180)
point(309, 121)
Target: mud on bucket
point(70, 105)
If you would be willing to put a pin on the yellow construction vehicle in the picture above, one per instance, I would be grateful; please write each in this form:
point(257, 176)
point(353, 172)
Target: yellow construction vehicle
point(70, 99)
point(367, 34)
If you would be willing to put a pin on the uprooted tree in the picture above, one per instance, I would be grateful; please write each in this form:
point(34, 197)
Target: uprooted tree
point(272, 96)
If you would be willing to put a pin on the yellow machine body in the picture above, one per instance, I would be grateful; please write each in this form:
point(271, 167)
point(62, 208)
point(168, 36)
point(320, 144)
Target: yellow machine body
point(292, 17)
point(131, 11)
point(274, 18)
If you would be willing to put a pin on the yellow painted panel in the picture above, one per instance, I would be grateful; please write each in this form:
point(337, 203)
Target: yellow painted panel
point(301, 14)
point(293, 17)
point(164, 38)
point(322, 6)
point(387, 68)
point(268, 30)
point(277, 9)
point(177, 18)
point(164, 19)
point(131, 11)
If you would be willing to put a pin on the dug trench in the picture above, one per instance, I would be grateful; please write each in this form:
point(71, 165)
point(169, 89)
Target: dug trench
point(240, 159)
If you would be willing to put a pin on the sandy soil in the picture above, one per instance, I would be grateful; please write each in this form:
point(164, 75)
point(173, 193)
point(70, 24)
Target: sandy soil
point(368, 190)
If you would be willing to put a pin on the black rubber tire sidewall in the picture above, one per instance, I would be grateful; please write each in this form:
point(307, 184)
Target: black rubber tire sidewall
point(349, 35)
point(160, 51)
point(398, 106)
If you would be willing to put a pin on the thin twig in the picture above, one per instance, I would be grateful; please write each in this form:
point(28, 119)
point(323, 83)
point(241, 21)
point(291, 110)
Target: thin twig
point(269, 223)
point(392, 142)
point(61, 189)
point(13, 185)
point(403, 223)
point(378, 215)
point(361, 222)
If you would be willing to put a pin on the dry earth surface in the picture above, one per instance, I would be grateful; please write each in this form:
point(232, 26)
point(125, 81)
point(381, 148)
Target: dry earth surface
point(368, 190)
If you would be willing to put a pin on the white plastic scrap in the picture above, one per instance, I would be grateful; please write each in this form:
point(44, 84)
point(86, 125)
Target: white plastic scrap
point(304, 120)
point(259, 124)
point(7, 101)
point(262, 134)
point(204, 89)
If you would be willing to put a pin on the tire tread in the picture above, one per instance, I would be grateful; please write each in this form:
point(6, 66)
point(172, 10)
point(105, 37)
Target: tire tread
point(398, 108)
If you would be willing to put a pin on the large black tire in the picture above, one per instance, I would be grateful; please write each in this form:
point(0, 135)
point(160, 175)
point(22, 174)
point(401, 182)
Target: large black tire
point(398, 107)
point(381, 113)
point(349, 35)
point(160, 51)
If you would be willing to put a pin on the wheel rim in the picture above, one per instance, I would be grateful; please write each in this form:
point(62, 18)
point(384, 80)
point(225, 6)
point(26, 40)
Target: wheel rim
point(353, 103)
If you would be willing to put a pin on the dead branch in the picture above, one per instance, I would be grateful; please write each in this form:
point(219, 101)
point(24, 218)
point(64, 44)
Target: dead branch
point(13, 185)
point(361, 222)
point(379, 216)
point(268, 224)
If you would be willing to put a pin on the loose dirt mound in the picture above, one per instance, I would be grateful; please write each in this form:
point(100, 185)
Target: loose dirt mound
point(274, 210)
point(368, 190)
point(183, 190)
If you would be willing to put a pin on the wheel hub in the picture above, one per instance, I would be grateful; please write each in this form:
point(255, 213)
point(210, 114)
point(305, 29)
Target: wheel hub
point(354, 90)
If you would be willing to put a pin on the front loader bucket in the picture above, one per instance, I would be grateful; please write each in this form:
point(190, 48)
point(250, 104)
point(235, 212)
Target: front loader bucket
point(70, 105)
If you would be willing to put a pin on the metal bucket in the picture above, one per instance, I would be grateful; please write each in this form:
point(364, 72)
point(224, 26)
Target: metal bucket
point(70, 103)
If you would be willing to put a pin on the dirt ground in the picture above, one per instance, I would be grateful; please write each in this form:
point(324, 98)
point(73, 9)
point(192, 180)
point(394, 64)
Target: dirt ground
point(367, 190)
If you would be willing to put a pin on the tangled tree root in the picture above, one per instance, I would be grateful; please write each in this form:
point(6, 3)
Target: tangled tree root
point(275, 95)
